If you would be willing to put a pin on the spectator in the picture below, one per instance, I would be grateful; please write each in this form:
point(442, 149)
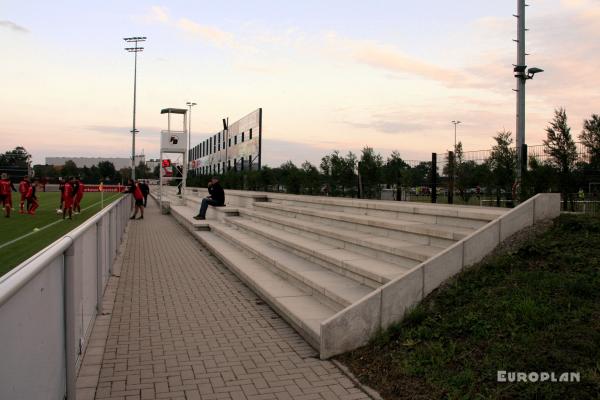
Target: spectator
point(145, 191)
point(216, 198)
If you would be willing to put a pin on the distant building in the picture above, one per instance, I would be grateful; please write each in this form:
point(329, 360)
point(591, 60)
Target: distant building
point(118, 162)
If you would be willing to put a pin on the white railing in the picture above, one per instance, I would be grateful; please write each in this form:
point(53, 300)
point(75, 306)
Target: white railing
point(48, 305)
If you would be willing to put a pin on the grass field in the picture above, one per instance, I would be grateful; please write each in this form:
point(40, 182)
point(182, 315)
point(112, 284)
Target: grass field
point(18, 225)
point(532, 308)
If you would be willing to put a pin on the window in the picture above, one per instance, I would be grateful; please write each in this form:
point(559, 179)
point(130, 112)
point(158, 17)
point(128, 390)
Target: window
point(228, 165)
point(243, 137)
point(235, 164)
point(250, 163)
point(250, 134)
point(235, 139)
point(229, 142)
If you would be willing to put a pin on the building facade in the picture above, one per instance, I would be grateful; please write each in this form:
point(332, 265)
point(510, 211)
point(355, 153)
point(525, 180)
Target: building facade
point(237, 148)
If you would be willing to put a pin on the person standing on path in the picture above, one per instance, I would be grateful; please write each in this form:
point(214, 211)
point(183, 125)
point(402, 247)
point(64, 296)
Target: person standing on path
point(145, 191)
point(139, 201)
point(216, 198)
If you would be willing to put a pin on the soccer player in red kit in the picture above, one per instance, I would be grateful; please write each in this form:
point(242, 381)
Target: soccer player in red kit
point(6, 188)
point(78, 196)
point(32, 203)
point(24, 186)
point(68, 198)
point(61, 188)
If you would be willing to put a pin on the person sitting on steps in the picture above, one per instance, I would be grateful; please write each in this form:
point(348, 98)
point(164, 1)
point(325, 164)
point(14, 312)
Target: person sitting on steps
point(216, 198)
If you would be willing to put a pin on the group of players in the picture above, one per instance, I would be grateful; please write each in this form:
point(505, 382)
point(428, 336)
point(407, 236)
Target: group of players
point(27, 190)
point(71, 194)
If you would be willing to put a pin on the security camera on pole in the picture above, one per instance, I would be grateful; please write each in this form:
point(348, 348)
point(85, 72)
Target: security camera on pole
point(522, 74)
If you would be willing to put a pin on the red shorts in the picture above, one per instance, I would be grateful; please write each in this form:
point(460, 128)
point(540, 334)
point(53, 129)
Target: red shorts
point(68, 202)
point(6, 199)
point(23, 197)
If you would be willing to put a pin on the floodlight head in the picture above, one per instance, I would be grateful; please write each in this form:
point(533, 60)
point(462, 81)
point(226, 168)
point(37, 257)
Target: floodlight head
point(532, 71)
point(456, 122)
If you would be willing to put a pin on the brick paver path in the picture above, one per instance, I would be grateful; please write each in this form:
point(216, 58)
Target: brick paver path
point(184, 327)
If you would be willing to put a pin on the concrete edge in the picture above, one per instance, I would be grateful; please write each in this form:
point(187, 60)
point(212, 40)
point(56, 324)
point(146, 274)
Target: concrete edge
point(369, 391)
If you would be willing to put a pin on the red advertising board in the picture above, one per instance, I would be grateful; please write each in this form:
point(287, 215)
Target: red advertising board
point(105, 188)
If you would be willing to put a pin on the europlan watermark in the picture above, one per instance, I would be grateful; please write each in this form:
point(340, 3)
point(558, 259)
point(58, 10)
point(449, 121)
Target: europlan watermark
point(532, 377)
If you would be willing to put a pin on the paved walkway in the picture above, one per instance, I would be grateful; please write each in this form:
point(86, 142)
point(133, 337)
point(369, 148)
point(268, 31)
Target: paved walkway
point(184, 327)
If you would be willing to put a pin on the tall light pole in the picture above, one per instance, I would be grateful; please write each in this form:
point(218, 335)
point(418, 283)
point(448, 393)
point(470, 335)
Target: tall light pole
point(136, 49)
point(190, 105)
point(455, 124)
point(522, 74)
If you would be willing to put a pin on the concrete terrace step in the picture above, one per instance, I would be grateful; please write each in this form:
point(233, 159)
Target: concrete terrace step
point(335, 289)
point(356, 266)
point(447, 233)
point(380, 247)
point(302, 310)
point(453, 215)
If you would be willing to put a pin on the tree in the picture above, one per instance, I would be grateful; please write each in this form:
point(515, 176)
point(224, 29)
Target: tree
point(290, 177)
point(69, 169)
point(590, 137)
point(107, 170)
point(394, 169)
point(560, 146)
point(310, 178)
point(502, 164)
point(16, 162)
point(371, 171)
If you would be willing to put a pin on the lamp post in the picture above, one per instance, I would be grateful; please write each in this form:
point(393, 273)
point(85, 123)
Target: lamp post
point(190, 105)
point(522, 74)
point(136, 49)
point(455, 125)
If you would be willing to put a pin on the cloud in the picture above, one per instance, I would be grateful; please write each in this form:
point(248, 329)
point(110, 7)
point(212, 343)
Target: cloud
point(391, 59)
point(158, 14)
point(14, 27)
point(210, 34)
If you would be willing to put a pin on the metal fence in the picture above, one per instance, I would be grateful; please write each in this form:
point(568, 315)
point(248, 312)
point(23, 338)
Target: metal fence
point(48, 305)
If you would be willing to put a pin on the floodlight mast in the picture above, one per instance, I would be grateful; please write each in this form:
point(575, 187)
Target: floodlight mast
point(136, 49)
point(522, 74)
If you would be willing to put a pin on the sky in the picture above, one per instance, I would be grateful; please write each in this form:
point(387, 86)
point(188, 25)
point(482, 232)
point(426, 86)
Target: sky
point(329, 75)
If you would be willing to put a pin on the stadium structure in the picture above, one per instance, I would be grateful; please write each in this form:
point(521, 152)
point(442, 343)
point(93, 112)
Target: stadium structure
point(237, 147)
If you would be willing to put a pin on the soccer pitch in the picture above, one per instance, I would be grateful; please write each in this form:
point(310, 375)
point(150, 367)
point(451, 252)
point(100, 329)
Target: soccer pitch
point(45, 220)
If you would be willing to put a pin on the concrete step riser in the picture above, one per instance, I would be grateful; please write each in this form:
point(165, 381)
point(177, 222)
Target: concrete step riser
point(400, 235)
point(308, 287)
point(392, 215)
point(406, 261)
point(281, 310)
point(331, 264)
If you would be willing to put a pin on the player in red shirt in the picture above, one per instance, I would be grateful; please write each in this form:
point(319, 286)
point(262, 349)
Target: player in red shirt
point(32, 203)
point(139, 199)
point(68, 198)
point(61, 188)
point(6, 189)
point(24, 186)
point(78, 196)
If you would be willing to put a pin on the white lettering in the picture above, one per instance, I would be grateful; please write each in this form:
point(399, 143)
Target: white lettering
point(575, 377)
point(533, 377)
point(521, 377)
point(544, 376)
point(501, 376)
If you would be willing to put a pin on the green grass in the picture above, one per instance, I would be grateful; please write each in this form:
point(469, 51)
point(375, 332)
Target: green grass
point(532, 309)
point(18, 225)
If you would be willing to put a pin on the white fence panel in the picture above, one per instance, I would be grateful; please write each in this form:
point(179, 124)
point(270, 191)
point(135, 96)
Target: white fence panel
point(48, 305)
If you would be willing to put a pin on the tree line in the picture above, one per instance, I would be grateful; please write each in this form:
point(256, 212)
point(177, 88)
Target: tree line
point(560, 170)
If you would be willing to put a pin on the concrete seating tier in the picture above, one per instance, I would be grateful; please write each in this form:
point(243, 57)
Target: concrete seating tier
point(318, 261)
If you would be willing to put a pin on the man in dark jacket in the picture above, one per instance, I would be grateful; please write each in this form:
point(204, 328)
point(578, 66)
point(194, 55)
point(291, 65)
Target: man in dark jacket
point(145, 191)
point(216, 198)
